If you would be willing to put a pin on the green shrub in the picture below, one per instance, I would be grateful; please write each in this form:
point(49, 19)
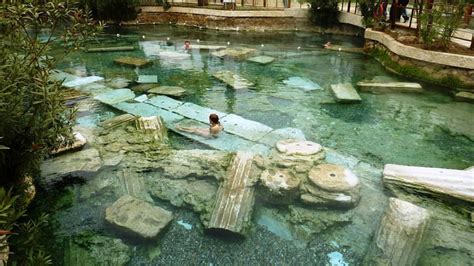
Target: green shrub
point(367, 8)
point(115, 10)
point(32, 110)
point(324, 12)
point(437, 26)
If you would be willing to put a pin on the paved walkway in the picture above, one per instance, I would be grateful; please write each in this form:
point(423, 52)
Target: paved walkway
point(239, 134)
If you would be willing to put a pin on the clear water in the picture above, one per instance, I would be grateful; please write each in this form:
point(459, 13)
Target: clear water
point(427, 129)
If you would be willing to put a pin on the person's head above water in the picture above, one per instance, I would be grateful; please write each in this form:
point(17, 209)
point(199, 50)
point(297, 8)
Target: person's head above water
point(214, 119)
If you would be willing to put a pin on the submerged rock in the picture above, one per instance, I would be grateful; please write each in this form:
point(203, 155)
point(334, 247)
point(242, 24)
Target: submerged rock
point(88, 248)
point(198, 195)
point(72, 163)
point(137, 217)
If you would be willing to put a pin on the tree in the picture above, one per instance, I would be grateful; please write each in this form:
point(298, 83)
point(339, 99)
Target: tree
point(324, 12)
point(115, 10)
point(32, 110)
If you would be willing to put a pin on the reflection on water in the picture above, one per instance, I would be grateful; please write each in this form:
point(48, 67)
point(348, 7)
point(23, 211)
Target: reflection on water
point(427, 129)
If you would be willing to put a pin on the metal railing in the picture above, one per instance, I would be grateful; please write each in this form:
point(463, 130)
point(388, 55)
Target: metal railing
point(278, 4)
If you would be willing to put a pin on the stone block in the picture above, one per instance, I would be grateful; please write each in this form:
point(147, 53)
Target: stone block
point(263, 60)
point(137, 217)
point(245, 128)
point(115, 96)
point(235, 81)
point(465, 96)
point(196, 112)
point(302, 83)
point(387, 87)
point(82, 81)
point(143, 109)
point(345, 92)
point(282, 134)
point(169, 91)
point(164, 102)
point(147, 79)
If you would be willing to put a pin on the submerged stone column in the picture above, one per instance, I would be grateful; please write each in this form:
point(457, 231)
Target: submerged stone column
point(400, 234)
point(235, 197)
point(153, 125)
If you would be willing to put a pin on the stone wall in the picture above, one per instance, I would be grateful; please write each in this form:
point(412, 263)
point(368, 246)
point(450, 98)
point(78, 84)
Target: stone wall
point(449, 76)
point(252, 22)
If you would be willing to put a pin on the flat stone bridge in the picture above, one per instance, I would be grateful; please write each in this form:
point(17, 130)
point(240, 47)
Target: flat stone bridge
point(239, 133)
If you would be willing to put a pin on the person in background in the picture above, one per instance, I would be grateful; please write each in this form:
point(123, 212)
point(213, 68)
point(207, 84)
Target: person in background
point(403, 9)
point(187, 45)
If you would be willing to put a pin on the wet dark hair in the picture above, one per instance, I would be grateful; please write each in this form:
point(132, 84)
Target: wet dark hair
point(214, 118)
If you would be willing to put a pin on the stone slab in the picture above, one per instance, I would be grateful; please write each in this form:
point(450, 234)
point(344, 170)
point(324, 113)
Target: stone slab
point(82, 81)
point(132, 61)
point(143, 109)
point(169, 90)
point(170, 55)
point(345, 92)
point(224, 142)
point(196, 112)
point(94, 89)
point(245, 128)
point(164, 102)
point(207, 47)
point(235, 53)
point(302, 83)
point(115, 96)
point(110, 49)
point(235, 81)
point(282, 133)
point(264, 60)
point(390, 86)
point(141, 98)
point(147, 79)
point(465, 96)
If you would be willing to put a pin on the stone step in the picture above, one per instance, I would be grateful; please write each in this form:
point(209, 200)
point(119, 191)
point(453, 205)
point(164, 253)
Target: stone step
point(400, 235)
point(390, 86)
point(110, 49)
point(164, 102)
point(457, 184)
point(235, 81)
point(235, 197)
point(345, 92)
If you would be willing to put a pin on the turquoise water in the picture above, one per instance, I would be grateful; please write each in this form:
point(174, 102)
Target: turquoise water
point(423, 129)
